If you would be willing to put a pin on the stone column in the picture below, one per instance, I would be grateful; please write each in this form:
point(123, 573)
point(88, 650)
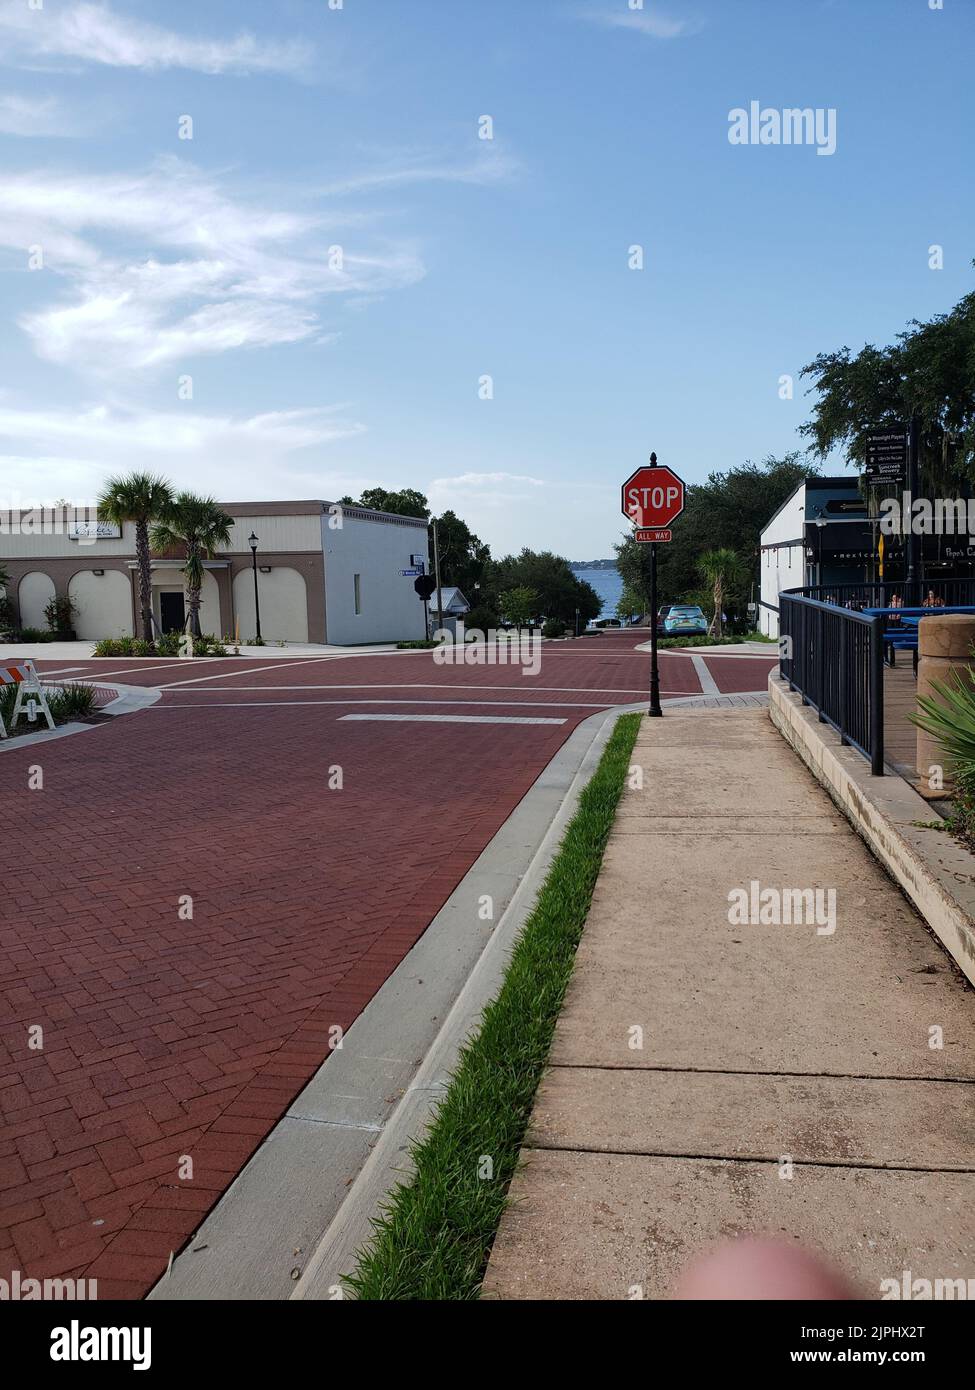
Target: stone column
point(944, 647)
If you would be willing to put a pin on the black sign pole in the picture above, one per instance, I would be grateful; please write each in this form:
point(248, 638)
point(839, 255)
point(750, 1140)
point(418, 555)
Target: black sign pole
point(655, 712)
point(913, 488)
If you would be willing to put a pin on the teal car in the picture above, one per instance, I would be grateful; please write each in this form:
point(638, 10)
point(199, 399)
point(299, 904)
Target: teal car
point(684, 620)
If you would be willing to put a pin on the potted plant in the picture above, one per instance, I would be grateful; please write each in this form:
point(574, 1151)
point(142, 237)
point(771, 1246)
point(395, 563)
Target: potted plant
point(59, 615)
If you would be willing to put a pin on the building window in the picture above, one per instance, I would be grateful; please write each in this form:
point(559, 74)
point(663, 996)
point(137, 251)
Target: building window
point(358, 593)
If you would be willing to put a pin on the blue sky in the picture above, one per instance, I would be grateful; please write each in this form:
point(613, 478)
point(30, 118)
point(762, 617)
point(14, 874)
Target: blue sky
point(315, 371)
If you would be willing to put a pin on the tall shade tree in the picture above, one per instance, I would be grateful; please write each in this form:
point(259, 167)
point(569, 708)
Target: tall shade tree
point(559, 592)
point(722, 569)
point(519, 605)
point(929, 371)
point(200, 526)
point(140, 498)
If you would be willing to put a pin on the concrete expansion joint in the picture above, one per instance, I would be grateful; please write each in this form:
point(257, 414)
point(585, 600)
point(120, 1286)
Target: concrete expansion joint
point(703, 1156)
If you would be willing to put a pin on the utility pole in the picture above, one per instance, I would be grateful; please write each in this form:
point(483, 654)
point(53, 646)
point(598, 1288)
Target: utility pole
point(436, 571)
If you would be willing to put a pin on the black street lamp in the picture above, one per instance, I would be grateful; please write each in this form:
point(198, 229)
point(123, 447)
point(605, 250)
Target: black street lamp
point(252, 542)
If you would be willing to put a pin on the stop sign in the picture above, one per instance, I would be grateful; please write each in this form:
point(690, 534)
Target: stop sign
point(653, 496)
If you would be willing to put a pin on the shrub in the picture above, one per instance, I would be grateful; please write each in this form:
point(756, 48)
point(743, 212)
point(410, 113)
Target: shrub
point(206, 645)
point(72, 701)
point(553, 628)
point(31, 634)
point(419, 644)
point(951, 718)
point(700, 641)
point(167, 645)
point(117, 646)
point(482, 617)
point(60, 614)
point(75, 700)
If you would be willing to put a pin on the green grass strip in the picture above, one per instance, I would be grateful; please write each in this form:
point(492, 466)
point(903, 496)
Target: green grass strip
point(435, 1234)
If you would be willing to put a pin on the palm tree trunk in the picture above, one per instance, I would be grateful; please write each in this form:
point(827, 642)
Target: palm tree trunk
point(145, 577)
point(193, 570)
point(194, 597)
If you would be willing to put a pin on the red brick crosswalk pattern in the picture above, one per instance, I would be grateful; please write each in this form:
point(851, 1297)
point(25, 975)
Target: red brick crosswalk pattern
point(166, 1038)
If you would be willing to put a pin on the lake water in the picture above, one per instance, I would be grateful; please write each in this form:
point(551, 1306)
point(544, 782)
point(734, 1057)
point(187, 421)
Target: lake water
point(607, 583)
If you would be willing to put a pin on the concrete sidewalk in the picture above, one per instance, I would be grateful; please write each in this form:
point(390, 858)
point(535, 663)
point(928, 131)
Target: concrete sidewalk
point(709, 1079)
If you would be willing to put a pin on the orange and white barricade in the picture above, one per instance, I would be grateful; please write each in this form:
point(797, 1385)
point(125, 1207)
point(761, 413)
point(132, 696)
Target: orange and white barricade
point(30, 693)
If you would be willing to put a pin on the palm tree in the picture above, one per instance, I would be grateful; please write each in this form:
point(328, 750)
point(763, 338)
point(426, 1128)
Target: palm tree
point(721, 568)
point(201, 526)
point(140, 498)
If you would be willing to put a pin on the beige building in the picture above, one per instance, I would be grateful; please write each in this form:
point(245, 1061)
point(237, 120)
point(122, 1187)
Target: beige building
point(325, 573)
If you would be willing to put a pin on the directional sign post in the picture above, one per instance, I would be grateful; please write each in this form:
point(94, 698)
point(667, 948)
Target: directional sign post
point(652, 498)
point(887, 455)
point(893, 459)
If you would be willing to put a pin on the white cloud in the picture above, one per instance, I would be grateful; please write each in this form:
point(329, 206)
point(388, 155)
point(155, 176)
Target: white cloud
point(93, 33)
point(483, 490)
point(490, 166)
point(36, 116)
point(222, 273)
point(651, 22)
point(470, 481)
point(69, 453)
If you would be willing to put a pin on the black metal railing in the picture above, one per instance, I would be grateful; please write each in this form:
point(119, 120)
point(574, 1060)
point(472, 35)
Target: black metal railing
point(833, 657)
point(913, 593)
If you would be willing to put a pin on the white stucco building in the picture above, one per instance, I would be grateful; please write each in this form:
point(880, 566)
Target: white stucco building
point(820, 535)
point(325, 573)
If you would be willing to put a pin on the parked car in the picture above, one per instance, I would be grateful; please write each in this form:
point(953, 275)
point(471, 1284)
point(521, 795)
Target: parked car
point(685, 620)
point(661, 618)
point(601, 624)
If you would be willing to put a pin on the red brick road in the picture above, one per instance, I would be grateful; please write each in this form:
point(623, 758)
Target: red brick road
point(169, 1037)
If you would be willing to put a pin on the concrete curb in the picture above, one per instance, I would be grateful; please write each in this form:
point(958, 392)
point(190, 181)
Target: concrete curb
point(388, 1164)
point(129, 699)
point(935, 872)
